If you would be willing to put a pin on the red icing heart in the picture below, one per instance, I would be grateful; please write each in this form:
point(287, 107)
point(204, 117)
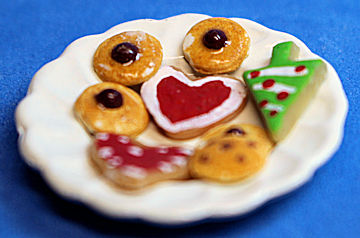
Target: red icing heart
point(179, 104)
point(189, 101)
point(120, 152)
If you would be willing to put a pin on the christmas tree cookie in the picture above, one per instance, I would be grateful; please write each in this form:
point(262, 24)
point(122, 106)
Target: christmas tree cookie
point(283, 89)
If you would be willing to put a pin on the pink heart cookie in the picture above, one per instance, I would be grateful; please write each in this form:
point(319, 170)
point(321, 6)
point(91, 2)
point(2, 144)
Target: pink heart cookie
point(185, 108)
point(132, 165)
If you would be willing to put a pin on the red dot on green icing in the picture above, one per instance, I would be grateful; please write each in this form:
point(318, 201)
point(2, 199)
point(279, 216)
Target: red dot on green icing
point(263, 103)
point(254, 74)
point(273, 113)
point(282, 95)
point(300, 68)
point(268, 83)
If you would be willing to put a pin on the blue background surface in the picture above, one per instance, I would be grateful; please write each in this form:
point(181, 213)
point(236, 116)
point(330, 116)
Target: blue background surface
point(35, 32)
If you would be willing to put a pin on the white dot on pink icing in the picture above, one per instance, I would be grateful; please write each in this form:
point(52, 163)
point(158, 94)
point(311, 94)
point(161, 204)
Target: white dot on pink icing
point(134, 172)
point(135, 151)
point(105, 152)
point(115, 161)
point(178, 160)
point(165, 167)
point(162, 150)
point(123, 139)
point(185, 151)
point(102, 136)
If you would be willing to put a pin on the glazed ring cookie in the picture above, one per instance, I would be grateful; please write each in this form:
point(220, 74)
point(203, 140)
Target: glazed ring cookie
point(113, 108)
point(255, 136)
point(225, 160)
point(216, 45)
point(128, 58)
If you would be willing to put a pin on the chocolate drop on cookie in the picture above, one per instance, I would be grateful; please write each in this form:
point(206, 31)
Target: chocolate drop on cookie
point(240, 158)
point(226, 146)
point(236, 132)
point(214, 39)
point(124, 52)
point(252, 144)
point(203, 159)
point(110, 98)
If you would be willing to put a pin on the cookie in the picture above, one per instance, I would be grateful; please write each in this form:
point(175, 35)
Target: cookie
point(128, 58)
point(225, 160)
point(113, 108)
point(185, 108)
point(216, 45)
point(255, 136)
point(285, 88)
point(132, 165)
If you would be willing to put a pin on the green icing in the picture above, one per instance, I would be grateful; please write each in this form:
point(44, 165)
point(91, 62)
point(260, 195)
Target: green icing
point(283, 55)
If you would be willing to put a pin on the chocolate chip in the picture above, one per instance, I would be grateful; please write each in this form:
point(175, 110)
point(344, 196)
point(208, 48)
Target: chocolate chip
point(226, 146)
point(236, 132)
point(109, 98)
point(252, 144)
point(240, 158)
point(203, 159)
point(214, 39)
point(124, 52)
point(210, 143)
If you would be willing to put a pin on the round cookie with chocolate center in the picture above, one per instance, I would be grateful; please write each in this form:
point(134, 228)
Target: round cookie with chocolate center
point(216, 45)
point(128, 58)
point(113, 108)
point(225, 160)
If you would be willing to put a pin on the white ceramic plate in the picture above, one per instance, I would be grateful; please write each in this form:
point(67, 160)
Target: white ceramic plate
point(52, 140)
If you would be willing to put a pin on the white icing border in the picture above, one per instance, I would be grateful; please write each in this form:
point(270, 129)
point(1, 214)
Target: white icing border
point(229, 106)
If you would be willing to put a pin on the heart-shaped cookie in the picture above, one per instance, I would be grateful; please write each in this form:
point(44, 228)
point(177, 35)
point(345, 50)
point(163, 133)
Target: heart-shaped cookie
point(186, 108)
point(132, 165)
